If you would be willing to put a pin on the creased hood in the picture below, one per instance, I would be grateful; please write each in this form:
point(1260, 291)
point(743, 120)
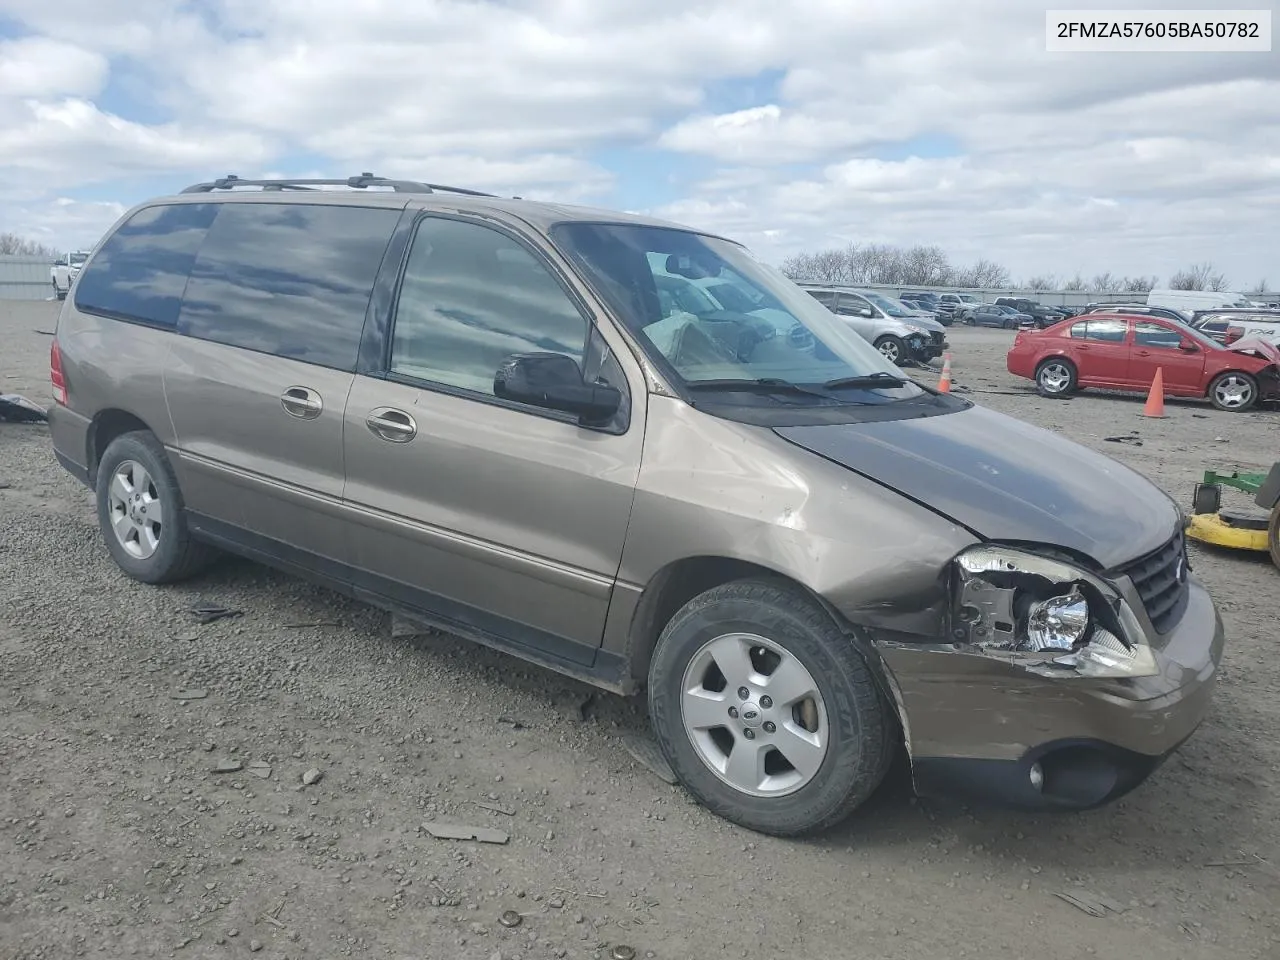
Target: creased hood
point(1005, 480)
point(1257, 346)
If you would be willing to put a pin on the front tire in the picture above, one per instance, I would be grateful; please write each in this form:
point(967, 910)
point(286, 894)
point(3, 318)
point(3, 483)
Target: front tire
point(1056, 377)
point(893, 349)
point(1233, 391)
point(811, 739)
point(141, 512)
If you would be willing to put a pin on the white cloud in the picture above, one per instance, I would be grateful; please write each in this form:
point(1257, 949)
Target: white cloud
point(40, 67)
point(1131, 163)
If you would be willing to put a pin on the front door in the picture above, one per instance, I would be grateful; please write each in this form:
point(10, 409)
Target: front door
point(504, 520)
point(858, 313)
point(1157, 345)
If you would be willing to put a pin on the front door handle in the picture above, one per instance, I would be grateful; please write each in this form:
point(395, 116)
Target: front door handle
point(301, 402)
point(392, 425)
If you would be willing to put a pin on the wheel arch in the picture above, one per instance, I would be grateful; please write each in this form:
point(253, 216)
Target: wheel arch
point(1208, 387)
point(105, 426)
point(674, 585)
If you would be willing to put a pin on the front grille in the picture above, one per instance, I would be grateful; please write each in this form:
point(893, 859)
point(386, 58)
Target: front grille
point(1161, 582)
point(936, 336)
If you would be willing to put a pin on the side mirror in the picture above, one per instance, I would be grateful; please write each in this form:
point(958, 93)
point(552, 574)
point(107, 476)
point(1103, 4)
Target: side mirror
point(865, 313)
point(1189, 347)
point(555, 382)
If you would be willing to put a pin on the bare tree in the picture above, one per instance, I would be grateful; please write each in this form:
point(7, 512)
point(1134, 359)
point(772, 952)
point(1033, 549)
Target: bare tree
point(13, 245)
point(1138, 284)
point(1199, 276)
point(1042, 281)
point(983, 274)
point(1076, 283)
point(1262, 286)
point(1103, 283)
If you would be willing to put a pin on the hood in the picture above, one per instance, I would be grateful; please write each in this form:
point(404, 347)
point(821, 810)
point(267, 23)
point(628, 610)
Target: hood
point(1262, 348)
point(1005, 480)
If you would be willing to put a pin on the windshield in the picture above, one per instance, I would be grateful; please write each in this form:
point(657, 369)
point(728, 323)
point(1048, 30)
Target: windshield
point(894, 308)
point(714, 317)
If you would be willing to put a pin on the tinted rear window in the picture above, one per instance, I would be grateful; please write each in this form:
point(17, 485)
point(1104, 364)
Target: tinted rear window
point(142, 268)
point(288, 279)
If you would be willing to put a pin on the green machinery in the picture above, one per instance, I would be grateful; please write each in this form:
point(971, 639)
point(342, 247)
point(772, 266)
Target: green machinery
point(1238, 529)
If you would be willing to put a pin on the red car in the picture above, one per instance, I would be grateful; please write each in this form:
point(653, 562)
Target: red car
point(1119, 352)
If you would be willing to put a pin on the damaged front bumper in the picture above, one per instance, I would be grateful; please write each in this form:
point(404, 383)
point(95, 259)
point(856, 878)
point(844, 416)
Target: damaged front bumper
point(1048, 728)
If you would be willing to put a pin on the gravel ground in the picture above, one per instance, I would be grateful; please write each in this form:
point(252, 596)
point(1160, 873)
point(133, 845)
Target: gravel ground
point(118, 838)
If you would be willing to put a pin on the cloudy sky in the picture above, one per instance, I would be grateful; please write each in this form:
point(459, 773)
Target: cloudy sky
point(791, 126)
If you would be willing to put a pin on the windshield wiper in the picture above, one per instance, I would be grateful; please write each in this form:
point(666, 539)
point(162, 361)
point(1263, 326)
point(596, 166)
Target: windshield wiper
point(878, 379)
point(765, 385)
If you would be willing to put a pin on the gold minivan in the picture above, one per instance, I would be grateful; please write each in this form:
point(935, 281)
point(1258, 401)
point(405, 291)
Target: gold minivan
point(629, 451)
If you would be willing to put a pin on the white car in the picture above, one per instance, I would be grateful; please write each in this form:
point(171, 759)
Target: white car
point(64, 272)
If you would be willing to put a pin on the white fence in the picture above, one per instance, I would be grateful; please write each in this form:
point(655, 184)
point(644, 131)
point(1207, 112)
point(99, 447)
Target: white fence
point(25, 278)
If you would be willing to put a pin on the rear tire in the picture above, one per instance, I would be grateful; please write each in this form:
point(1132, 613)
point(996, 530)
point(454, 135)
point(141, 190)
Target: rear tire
point(142, 514)
point(1233, 391)
point(1056, 377)
point(808, 760)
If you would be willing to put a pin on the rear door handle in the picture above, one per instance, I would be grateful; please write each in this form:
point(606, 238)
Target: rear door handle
point(392, 425)
point(301, 402)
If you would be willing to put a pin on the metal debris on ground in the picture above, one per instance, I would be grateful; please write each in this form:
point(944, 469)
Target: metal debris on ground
point(505, 811)
point(623, 952)
point(1128, 438)
point(228, 766)
point(514, 724)
point(402, 627)
point(1092, 904)
point(208, 613)
point(190, 695)
point(18, 409)
point(449, 831)
point(645, 751)
point(510, 918)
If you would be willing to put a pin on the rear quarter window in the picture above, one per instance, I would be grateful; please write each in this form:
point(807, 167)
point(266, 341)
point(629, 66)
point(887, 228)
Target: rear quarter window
point(139, 272)
point(288, 279)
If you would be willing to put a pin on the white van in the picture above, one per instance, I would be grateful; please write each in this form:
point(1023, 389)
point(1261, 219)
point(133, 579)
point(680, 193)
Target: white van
point(1189, 300)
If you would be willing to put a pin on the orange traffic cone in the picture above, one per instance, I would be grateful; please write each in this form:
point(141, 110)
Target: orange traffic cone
point(944, 382)
point(1155, 398)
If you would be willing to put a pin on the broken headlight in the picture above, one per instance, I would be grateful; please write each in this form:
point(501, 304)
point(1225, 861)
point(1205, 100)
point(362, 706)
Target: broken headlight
point(1046, 615)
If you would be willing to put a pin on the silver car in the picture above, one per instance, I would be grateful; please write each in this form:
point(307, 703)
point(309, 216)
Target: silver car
point(902, 336)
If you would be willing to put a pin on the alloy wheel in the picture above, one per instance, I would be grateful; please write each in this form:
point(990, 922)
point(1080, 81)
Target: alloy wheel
point(137, 514)
point(754, 715)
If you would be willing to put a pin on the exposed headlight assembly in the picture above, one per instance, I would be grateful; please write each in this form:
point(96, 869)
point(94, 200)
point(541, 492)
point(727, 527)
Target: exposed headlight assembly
point(1047, 616)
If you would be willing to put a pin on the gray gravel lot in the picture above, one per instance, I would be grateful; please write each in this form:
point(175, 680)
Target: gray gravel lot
point(117, 838)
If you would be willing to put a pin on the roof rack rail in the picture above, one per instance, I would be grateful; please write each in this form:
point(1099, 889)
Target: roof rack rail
point(363, 181)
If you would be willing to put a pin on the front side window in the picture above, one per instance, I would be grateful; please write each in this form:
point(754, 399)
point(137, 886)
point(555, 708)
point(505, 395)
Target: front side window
point(139, 273)
point(473, 296)
point(289, 279)
point(1148, 334)
point(768, 334)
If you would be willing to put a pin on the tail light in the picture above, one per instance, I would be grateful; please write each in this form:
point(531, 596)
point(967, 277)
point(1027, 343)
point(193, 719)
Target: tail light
point(55, 373)
point(1233, 334)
